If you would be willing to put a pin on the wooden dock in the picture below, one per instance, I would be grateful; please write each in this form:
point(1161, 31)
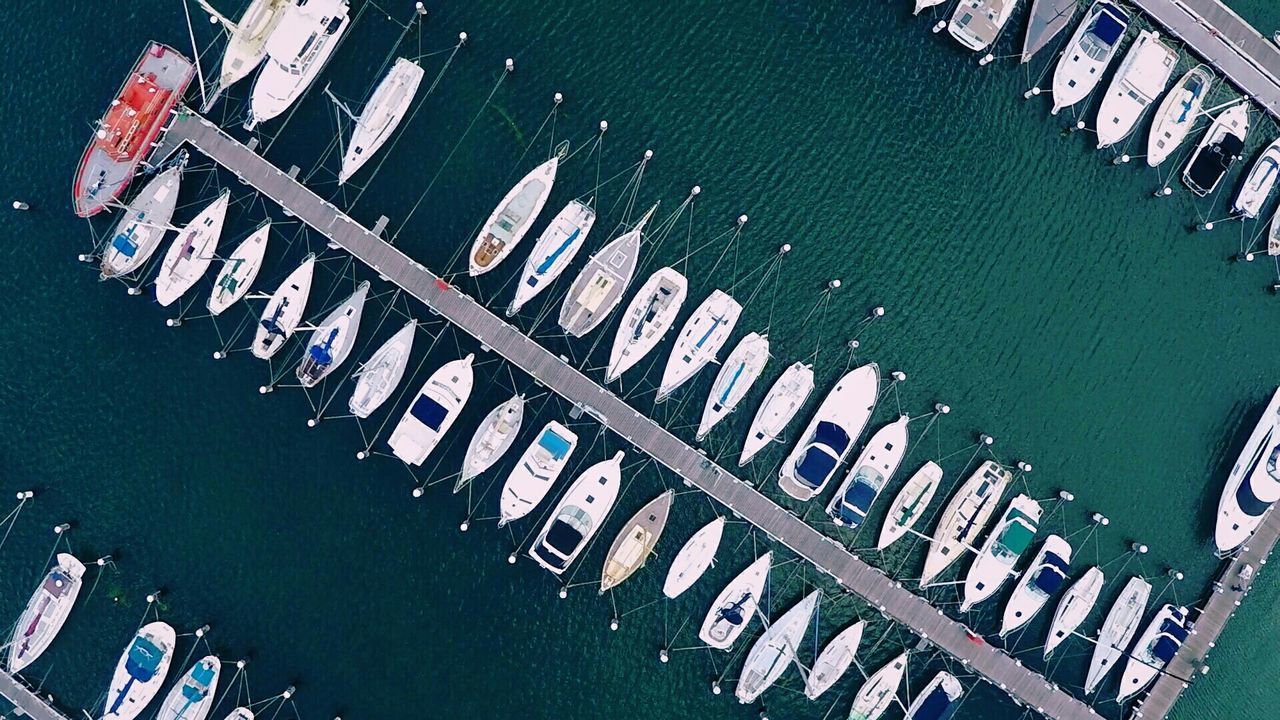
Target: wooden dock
point(26, 702)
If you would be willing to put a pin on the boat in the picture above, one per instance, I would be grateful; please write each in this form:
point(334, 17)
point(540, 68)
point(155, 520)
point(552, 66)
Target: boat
point(1074, 607)
point(1259, 183)
point(246, 39)
point(536, 471)
point(1011, 537)
point(140, 671)
point(938, 700)
point(193, 697)
point(384, 111)
point(1046, 19)
point(190, 254)
point(1218, 150)
point(635, 543)
point(284, 310)
point(873, 469)
point(774, 651)
point(46, 612)
point(556, 247)
point(239, 271)
point(1273, 236)
point(696, 555)
point(379, 376)
point(738, 373)
point(599, 287)
point(578, 516)
point(909, 505)
point(513, 216)
point(879, 691)
point(827, 440)
point(240, 713)
point(144, 223)
point(964, 518)
point(433, 411)
point(494, 437)
point(785, 398)
point(1177, 114)
point(647, 318)
point(1088, 54)
point(1253, 485)
point(699, 341)
point(1044, 577)
point(297, 51)
point(1153, 651)
point(733, 608)
point(124, 135)
point(1142, 77)
point(333, 339)
point(1117, 630)
point(833, 661)
point(976, 24)
point(922, 5)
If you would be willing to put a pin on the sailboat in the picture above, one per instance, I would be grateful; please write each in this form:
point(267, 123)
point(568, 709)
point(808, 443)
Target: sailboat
point(240, 713)
point(599, 287)
point(1046, 19)
point(46, 612)
point(740, 371)
point(1177, 114)
point(381, 374)
point(647, 318)
point(536, 471)
point(833, 661)
point(578, 516)
point(142, 226)
point(284, 310)
point(246, 41)
point(964, 518)
point(1011, 538)
point(785, 398)
point(873, 469)
point(1043, 577)
point(699, 341)
point(191, 252)
point(333, 339)
point(696, 555)
point(193, 697)
point(733, 608)
point(879, 691)
point(433, 411)
point(556, 247)
point(775, 649)
point(1153, 651)
point(297, 50)
point(827, 440)
point(140, 671)
point(909, 506)
point(513, 216)
point(496, 434)
point(1117, 630)
point(239, 271)
point(1075, 606)
point(635, 543)
point(381, 115)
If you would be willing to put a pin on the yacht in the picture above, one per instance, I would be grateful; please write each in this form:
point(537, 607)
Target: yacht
point(297, 49)
point(556, 247)
point(578, 516)
point(144, 223)
point(784, 399)
point(635, 543)
point(1218, 150)
point(879, 691)
point(938, 700)
point(536, 471)
point(1011, 538)
point(964, 518)
point(833, 661)
point(908, 507)
point(140, 671)
point(194, 695)
point(733, 608)
point(699, 341)
point(1153, 651)
point(1045, 21)
point(1253, 485)
point(873, 469)
point(509, 222)
point(333, 339)
point(1143, 75)
point(1043, 578)
point(239, 271)
point(494, 437)
point(1074, 607)
point(697, 554)
point(826, 442)
point(647, 318)
point(380, 116)
point(1273, 236)
point(738, 373)
point(599, 287)
point(1088, 54)
point(381, 374)
point(977, 23)
point(284, 310)
point(774, 651)
point(1177, 113)
point(191, 252)
point(46, 612)
point(1259, 183)
point(433, 411)
point(1117, 630)
point(246, 39)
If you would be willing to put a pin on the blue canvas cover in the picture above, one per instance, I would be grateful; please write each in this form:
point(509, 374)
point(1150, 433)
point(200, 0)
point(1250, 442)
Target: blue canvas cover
point(935, 707)
point(428, 412)
point(554, 444)
point(1052, 575)
point(1109, 26)
point(144, 659)
point(815, 466)
point(831, 435)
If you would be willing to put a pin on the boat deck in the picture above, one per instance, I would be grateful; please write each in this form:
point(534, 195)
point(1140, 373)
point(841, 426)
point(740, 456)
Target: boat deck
point(26, 702)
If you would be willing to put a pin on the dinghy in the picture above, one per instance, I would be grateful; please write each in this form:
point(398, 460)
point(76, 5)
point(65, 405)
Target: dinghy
point(239, 271)
point(536, 471)
point(284, 310)
point(578, 516)
point(509, 222)
point(1117, 630)
point(1177, 114)
point(1010, 539)
point(384, 111)
point(1259, 183)
point(873, 469)
point(144, 223)
point(333, 339)
point(492, 439)
point(46, 612)
point(191, 252)
point(1153, 651)
point(784, 399)
point(964, 518)
point(938, 700)
point(599, 287)
point(831, 433)
point(697, 554)
point(1074, 608)
point(381, 374)
point(736, 604)
point(833, 661)
point(1046, 574)
point(698, 343)
point(775, 649)
point(909, 506)
point(739, 372)
point(648, 317)
point(193, 697)
point(555, 249)
point(140, 671)
point(879, 691)
point(433, 411)
point(635, 543)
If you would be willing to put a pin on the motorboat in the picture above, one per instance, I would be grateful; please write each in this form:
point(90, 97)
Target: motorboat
point(556, 247)
point(879, 691)
point(1046, 19)
point(1177, 114)
point(190, 254)
point(381, 374)
point(869, 474)
point(144, 223)
point(1253, 484)
point(1010, 539)
point(1117, 630)
point(635, 543)
point(140, 671)
point(1259, 183)
point(297, 50)
point(774, 651)
point(1043, 578)
point(46, 612)
point(381, 115)
point(1218, 150)
point(733, 608)
point(783, 401)
point(696, 555)
point(239, 271)
point(938, 700)
point(833, 661)
point(1153, 651)
point(1074, 607)
point(599, 287)
point(512, 218)
point(284, 310)
point(333, 339)
point(433, 411)
point(964, 518)
point(536, 471)
point(496, 434)
point(578, 516)
point(647, 318)
point(1088, 53)
point(194, 695)
point(699, 341)
point(831, 433)
point(909, 505)
point(736, 377)
point(976, 24)
point(246, 39)
point(1143, 75)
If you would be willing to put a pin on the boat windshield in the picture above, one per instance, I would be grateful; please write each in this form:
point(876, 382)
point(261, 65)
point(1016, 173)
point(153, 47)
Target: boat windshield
point(1271, 463)
point(1017, 537)
point(428, 412)
point(815, 466)
point(831, 435)
point(567, 532)
point(557, 446)
point(1248, 501)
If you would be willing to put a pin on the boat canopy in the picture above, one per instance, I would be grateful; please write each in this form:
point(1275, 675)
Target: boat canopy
point(1017, 537)
point(144, 659)
point(554, 444)
point(815, 466)
point(831, 435)
point(428, 412)
point(1171, 637)
point(1052, 574)
point(937, 706)
point(1107, 27)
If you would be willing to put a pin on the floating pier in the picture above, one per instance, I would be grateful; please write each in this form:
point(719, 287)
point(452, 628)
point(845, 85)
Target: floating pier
point(26, 701)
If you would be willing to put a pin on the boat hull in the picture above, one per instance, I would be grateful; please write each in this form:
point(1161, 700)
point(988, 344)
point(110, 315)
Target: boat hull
point(578, 516)
point(635, 543)
point(699, 341)
point(512, 218)
point(909, 505)
point(732, 610)
point(695, 557)
point(140, 230)
point(556, 247)
point(46, 612)
point(191, 253)
point(736, 377)
point(383, 113)
point(239, 271)
point(536, 471)
point(831, 434)
point(381, 375)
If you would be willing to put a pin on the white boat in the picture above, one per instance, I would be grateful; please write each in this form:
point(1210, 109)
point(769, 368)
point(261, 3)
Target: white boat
point(509, 222)
point(1253, 485)
point(738, 373)
point(879, 691)
point(599, 287)
point(1143, 75)
point(380, 116)
point(831, 433)
point(433, 411)
point(1011, 537)
point(1044, 577)
point(909, 505)
point(1273, 236)
point(239, 271)
point(1088, 54)
point(494, 437)
point(556, 247)
point(938, 700)
point(964, 518)
point(246, 38)
point(284, 310)
point(922, 5)
point(578, 516)
point(333, 339)
point(297, 50)
point(193, 697)
point(1177, 114)
point(733, 608)
point(536, 471)
point(240, 713)
point(379, 376)
point(976, 24)
point(1045, 20)
point(833, 661)
point(1117, 630)
point(140, 671)
point(144, 223)
point(783, 401)
point(696, 555)
point(46, 612)
point(647, 318)
point(635, 542)
point(1074, 607)
point(873, 469)
point(699, 341)
point(774, 651)
point(1259, 183)
point(1218, 150)
point(1153, 651)
point(191, 252)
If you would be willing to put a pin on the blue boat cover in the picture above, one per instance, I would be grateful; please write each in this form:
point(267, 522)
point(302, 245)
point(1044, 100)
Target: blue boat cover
point(144, 658)
point(1165, 648)
point(815, 466)
point(1052, 574)
point(563, 537)
point(320, 351)
point(123, 244)
point(202, 673)
point(428, 412)
point(546, 264)
point(831, 435)
point(1108, 28)
point(1248, 501)
point(935, 707)
point(554, 444)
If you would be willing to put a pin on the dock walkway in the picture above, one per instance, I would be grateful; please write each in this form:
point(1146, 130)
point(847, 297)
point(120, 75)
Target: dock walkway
point(26, 702)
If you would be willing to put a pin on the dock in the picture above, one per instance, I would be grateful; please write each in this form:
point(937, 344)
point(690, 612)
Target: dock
point(25, 701)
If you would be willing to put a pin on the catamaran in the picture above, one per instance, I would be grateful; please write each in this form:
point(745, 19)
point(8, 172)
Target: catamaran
point(1088, 54)
point(1143, 75)
point(1253, 485)
point(239, 271)
point(1046, 574)
point(1259, 183)
point(379, 376)
point(1046, 19)
point(938, 700)
point(736, 604)
point(697, 554)
point(297, 51)
point(1074, 607)
point(1117, 630)
point(601, 284)
point(140, 671)
point(1011, 538)
point(977, 23)
point(635, 543)
point(909, 506)
point(1177, 113)
point(189, 256)
point(46, 612)
point(776, 648)
point(826, 442)
point(578, 516)
point(246, 40)
point(873, 469)
point(496, 434)
point(1153, 651)
point(784, 399)
point(555, 249)
point(381, 115)
point(964, 518)
point(144, 222)
point(833, 661)
point(879, 691)
point(333, 339)
point(704, 333)
point(193, 697)
point(509, 222)
point(284, 310)
point(1218, 150)
point(536, 471)
point(647, 318)
point(433, 411)
point(739, 372)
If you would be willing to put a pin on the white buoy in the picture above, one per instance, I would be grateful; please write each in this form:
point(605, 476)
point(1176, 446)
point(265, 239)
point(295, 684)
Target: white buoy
point(877, 311)
point(559, 98)
point(1020, 465)
point(1066, 496)
point(1248, 257)
point(663, 656)
point(462, 38)
point(1035, 91)
point(200, 632)
point(1028, 468)
point(648, 154)
point(240, 664)
point(464, 526)
point(938, 28)
point(83, 257)
point(1080, 125)
point(898, 375)
point(1175, 574)
point(834, 284)
point(1168, 191)
point(786, 248)
point(696, 190)
point(153, 597)
point(102, 561)
point(263, 389)
point(942, 408)
point(360, 455)
point(19, 205)
point(613, 624)
point(217, 355)
point(511, 65)
point(564, 593)
point(1139, 548)
point(135, 291)
point(715, 687)
point(417, 492)
point(604, 125)
point(59, 529)
point(855, 344)
point(288, 693)
point(1125, 158)
point(511, 559)
point(213, 19)
point(311, 422)
point(742, 220)
point(1208, 225)
point(420, 7)
point(986, 439)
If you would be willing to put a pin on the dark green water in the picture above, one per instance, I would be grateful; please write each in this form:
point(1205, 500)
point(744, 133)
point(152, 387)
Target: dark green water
point(1030, 284)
